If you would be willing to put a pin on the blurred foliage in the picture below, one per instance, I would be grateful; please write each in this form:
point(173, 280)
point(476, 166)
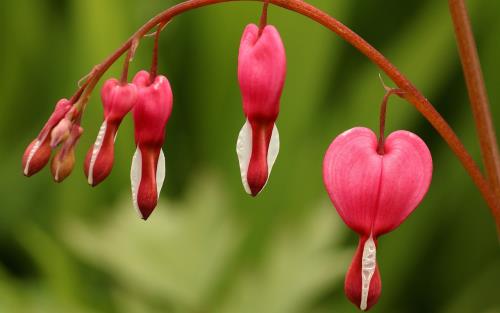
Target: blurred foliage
point(209, 247)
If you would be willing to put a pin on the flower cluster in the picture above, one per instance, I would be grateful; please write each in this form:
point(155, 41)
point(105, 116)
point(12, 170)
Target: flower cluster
point(150, 100)
point(261, 75)
point(373, 184)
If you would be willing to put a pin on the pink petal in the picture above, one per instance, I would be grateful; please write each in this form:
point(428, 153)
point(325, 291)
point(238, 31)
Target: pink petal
point(406, 176)
point(153, 108)
point(261, 72)
point(117, 99)
point(351, 173)
point(374, 193)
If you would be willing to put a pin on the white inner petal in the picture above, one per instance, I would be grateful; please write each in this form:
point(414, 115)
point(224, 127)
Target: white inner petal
point(368, 265)
point(160, 172)
point(272, 151)
point(244, 151)
point(95, 151)
point(135, 177)
point(33, 150)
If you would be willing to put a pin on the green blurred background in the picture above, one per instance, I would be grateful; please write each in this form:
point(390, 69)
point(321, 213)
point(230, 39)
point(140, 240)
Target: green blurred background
point(209, 247)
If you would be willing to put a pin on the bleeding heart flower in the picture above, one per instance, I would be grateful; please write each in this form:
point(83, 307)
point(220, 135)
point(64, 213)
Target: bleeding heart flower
point(374, 193)
point(117, 99)
point(38, 153)
point(261, 75)
point(151, 113)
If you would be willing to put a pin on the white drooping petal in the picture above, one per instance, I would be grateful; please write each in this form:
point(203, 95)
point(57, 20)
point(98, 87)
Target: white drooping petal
point(272, 151)
point(95, 151)
point(33, 150)
point(135, 177)
point(160, 172)
point(244, 151)
point(368, 267)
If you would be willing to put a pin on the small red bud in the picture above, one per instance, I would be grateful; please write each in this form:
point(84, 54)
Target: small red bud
point(60, 132)
point(63, 161)
point(37, 154)
point(118, 100)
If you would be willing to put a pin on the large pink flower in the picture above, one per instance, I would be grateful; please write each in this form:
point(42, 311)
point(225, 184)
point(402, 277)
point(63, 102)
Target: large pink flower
point(374, 193)
point(261, 75)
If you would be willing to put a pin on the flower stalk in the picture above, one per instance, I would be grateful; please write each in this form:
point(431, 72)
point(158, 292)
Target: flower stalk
point(477, 92)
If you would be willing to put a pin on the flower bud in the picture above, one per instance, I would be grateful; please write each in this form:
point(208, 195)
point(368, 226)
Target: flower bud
point(118, 100)
point(63, 161)
point(37, 154)
point(60, 132)
point(261, 76)
point(374, 193)
point(151, 113)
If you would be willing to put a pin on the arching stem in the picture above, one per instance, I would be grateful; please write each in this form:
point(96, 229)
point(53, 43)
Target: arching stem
point(411, 93)
point(477, 92)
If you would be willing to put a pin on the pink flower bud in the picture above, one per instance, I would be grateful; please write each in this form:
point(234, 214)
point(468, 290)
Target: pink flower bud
point(63, 161)
point(60, 132)
point(261, 75)
point(150, 113)
point(117, 101)
point(37, 154)
point(374, 194)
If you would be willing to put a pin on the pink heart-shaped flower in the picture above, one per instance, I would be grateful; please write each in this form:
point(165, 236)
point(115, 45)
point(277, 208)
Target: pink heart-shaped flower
point(374, 193)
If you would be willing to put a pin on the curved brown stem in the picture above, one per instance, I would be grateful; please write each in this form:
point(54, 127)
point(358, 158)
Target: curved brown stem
point(411, 94)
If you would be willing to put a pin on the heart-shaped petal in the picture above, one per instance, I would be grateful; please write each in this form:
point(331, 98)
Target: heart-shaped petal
point(374, 193)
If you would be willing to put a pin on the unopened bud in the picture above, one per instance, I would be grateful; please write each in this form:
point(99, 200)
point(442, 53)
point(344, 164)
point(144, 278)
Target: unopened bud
point(63, 161)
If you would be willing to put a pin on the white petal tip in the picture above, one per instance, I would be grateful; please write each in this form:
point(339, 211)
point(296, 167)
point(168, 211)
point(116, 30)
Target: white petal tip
point(244, 152)
point(135, 178)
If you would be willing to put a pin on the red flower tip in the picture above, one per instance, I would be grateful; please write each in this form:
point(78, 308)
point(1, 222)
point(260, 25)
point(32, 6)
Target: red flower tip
point(362, 283)
point(36, 156)
point(118, 100)
point(261, 76)
point(150, 114)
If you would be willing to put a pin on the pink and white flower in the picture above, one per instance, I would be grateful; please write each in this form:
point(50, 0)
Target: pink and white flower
point(117, 99)
point(261, 76)
point(151, 113)
point(373, 194)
